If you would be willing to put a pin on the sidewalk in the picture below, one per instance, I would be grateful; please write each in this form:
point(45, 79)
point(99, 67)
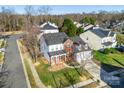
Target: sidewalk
point(34, 72)
point(81, 84)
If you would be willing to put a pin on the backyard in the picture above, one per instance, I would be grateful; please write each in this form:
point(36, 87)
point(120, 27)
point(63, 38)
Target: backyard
point(61, 78)
point(111, 61)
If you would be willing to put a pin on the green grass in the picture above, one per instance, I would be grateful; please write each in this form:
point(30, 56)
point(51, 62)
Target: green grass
point(58, 79)
point(2, 43)
point(115, 59)
point(30, 75)
point(1, 56)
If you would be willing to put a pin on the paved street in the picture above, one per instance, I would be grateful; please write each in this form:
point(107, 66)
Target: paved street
point(16, 77)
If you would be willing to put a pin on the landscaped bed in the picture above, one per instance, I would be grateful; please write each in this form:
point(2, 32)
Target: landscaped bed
point(111, 61)
point(61, 78)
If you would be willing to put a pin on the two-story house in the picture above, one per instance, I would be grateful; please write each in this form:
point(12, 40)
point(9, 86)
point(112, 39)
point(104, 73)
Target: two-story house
point(99, 38)
point(55, 47)
point(46, 28)
point(81, 50)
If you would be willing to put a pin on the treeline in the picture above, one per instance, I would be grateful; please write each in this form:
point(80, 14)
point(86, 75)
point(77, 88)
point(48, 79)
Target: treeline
point(11, 21)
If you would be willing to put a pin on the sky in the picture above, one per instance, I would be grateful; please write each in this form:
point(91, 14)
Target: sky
point(64, 9)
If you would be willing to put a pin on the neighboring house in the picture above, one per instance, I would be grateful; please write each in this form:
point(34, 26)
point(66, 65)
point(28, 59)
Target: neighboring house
point(99, 38)
point(46, 28)
point(110, 24)
point(88, 27)
point(81, 50)
point(55, 47)
point(85, 27)
point(77, 24)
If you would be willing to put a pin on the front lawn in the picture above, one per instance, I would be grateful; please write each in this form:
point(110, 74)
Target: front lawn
point(61, 78)
point(110, 61)
point(1, 56)
point(2, 43)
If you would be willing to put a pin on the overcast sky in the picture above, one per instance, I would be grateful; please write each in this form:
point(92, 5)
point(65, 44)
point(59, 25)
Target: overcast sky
point(63, 9)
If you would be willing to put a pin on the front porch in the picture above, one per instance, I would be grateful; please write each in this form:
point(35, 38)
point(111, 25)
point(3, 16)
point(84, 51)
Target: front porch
point(58, 57)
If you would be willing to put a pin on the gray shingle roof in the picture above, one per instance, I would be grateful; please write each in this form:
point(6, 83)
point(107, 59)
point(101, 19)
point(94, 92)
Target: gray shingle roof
point(48, 27)
point(107, 43)
point(55, 38)
point(102, 33)
point(78, 41)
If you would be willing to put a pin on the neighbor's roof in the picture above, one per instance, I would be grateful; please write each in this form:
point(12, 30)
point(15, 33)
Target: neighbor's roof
point(107, 43)
point(78, 41)
point(48, 26)
point(55, 38)
point(102, 32)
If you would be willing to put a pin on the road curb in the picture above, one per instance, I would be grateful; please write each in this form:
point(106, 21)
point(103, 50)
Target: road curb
point(25, 72)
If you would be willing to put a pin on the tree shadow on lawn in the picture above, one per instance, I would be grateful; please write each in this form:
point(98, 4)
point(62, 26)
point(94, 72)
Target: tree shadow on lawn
point(118, 62)
point(109, 68)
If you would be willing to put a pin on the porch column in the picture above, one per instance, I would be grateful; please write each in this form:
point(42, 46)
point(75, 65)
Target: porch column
point(60, 58)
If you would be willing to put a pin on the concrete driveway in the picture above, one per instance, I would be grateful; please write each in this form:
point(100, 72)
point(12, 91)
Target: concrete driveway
point(95, 71)
point(16, 77)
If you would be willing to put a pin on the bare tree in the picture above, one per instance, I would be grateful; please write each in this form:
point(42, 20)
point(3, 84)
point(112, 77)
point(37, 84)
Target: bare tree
point(31, 33)
point(44, 11)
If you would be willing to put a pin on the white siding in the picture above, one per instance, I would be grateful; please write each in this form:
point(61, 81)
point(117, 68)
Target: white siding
point(56, 47)
point(80, 56)
point(95, 42)
point(50, 31)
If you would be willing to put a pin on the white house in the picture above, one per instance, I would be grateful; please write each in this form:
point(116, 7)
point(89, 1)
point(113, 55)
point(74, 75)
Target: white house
point(81, 50)
point(78, 24)
point(48, 27)
point(99, 38)
point(52, 46)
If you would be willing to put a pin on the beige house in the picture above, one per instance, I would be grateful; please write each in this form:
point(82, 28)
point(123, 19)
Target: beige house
point(99, 38)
